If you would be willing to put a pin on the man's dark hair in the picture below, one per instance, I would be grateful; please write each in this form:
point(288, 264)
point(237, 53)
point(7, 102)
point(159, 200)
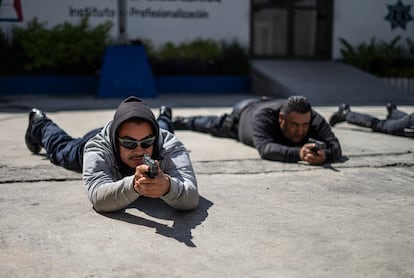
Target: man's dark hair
point(299, 104)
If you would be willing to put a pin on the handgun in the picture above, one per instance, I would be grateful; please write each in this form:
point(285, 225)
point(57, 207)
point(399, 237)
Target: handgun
point(152, 166)
point(318, 145)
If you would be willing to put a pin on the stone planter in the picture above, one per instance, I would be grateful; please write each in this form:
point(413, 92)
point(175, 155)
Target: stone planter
point(202, 84)
point(89, 85)
point(48, 85)
point(406, 84)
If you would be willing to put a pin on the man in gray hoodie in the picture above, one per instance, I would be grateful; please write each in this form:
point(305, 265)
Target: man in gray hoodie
point(111, 158)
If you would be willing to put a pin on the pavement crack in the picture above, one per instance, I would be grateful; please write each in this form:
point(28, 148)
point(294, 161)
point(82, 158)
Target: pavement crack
point(244, 167)
point(38, 173)
point(39, 180)
point(379, 154)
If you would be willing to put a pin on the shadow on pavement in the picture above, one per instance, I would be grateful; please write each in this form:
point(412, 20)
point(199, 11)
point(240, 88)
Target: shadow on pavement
point(184, 221)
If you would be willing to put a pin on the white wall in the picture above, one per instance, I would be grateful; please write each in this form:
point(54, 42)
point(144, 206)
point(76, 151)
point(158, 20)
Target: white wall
point(56, 12)
point(355, 20)
point(358, 21)
point(214, 19)
point(221, 20)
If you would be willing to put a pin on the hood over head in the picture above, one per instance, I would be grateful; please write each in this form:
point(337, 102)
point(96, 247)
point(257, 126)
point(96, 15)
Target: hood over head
point(133, 108)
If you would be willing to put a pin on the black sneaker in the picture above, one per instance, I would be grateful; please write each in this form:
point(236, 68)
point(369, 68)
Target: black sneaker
point(182, 123)
point(31, 144)
point(339, 116)
point(166, 112)
point(390, 107)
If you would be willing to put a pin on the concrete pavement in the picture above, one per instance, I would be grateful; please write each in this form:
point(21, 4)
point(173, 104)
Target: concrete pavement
point(256, 218)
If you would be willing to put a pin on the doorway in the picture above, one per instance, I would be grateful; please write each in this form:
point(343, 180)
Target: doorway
point(291, 29)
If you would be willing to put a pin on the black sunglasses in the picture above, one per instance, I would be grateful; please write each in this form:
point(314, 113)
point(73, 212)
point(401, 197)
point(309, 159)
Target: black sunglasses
point(132, 144)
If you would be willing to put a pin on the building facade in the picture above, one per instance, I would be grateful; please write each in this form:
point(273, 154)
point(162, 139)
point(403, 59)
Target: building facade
point(277, 29)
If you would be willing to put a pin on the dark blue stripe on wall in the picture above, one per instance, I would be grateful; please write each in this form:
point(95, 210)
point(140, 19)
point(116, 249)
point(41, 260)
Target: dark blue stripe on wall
point(59, 85)
point(202, 84)
point(49, 85)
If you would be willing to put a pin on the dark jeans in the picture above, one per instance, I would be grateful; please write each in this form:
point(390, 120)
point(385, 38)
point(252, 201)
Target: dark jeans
point(225, 125)
point(398, 123)
point(62, 149)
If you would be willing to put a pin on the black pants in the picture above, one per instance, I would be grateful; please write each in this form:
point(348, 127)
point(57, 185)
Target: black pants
point(398, 122)
point(62, 149)
point(225, 125)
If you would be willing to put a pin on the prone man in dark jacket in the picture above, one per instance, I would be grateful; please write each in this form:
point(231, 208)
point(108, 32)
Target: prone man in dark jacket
point(279, 129)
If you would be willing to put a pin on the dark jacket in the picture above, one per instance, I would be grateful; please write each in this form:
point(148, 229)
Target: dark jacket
point(259, 127)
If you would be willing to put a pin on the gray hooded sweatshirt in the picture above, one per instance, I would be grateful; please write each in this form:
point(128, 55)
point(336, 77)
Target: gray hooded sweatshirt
point(110, 183)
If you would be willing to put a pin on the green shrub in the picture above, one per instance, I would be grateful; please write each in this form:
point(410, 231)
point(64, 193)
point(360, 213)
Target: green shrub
point(233, 59)
point(383, 59)
point(63, 49)
point(12, 56)
point(205, 51)
point(198, 57)
point(78, 49)
point(410, 44)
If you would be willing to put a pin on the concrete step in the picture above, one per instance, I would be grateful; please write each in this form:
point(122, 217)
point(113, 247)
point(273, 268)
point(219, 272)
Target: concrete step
point(324, 83)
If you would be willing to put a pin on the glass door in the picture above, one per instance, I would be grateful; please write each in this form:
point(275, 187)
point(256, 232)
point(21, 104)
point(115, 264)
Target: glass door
point(291, 28)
